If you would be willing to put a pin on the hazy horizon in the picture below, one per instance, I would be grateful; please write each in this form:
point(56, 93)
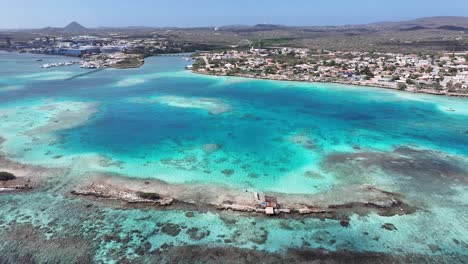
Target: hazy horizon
point(210, 13)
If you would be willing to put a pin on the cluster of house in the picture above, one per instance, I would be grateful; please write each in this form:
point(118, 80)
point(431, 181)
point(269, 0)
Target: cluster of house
point(446, 72)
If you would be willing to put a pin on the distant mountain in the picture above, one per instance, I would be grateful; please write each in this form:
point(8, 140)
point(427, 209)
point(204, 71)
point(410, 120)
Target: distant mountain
point(125, 28)
point(426, 24)
point(74, 27)
point(255, 28)
point(413, 28)
point(269, 26)
point(445, 23)
point(456, 28)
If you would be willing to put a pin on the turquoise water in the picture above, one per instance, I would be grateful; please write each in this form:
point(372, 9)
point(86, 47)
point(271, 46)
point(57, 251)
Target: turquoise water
point(161, 122)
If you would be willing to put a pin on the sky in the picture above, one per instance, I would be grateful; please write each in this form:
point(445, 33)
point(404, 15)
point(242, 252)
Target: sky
point(193, 13)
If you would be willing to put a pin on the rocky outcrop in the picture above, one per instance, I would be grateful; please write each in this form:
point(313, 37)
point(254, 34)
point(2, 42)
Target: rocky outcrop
point(116, 193)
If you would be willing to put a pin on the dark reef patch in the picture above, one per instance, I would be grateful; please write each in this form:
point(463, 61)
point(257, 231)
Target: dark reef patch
point(199, 254)
point(189, 214)
point(313, 174)
point(425, 170)
point(389, 227)
point(228, 172)
point(260, 237)
point(197, 234)
point(171, 229)
point(27, 244)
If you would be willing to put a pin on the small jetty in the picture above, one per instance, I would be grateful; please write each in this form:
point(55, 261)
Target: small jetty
point(269, 204)
point(265, 204)
point(83, 74)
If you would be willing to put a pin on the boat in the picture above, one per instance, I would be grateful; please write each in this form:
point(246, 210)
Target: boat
point(58, 64)
point(88, 66)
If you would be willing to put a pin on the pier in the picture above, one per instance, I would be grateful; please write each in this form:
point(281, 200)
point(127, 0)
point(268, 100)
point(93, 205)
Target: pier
point(83, 74)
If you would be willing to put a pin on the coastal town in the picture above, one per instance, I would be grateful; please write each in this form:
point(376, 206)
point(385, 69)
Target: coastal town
point(107, 51)
point(444, 74)
point(439, 72)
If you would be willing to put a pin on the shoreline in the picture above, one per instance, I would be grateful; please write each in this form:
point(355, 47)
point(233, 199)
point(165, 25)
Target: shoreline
point(141, 61)
point(130, 60)
point(28, 177)
point(157, 194)
point(114, 190)
point(455, 95)
point(339, 203)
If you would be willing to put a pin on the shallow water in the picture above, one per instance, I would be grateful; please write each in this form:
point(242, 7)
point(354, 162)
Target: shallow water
point(164, 123)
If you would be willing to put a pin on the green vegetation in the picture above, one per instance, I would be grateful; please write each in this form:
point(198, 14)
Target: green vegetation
point(199, 64)
point(453, 71)
point(271, 42)
point(149, 195)
point(401, 86)
point(366, 71)
point(6, 176)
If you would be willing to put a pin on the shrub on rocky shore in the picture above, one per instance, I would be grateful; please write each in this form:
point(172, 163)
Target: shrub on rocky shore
point(6, 176)
point(149, 195)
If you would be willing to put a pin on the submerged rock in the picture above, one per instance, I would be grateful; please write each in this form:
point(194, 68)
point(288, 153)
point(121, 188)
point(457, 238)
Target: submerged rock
point(303, 140)
point(189, 214)
point(313, 174)
point(253, 175)
point(389, 226)
point(434, 248)
point(284, 225)
point(210, 148)
point(228, 172)
point(261, 238)
point(171, 229)
point(197, 234)
point(344, 222)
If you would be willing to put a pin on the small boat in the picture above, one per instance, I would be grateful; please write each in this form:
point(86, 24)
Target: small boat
point(39, 60)
point(88, 66)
